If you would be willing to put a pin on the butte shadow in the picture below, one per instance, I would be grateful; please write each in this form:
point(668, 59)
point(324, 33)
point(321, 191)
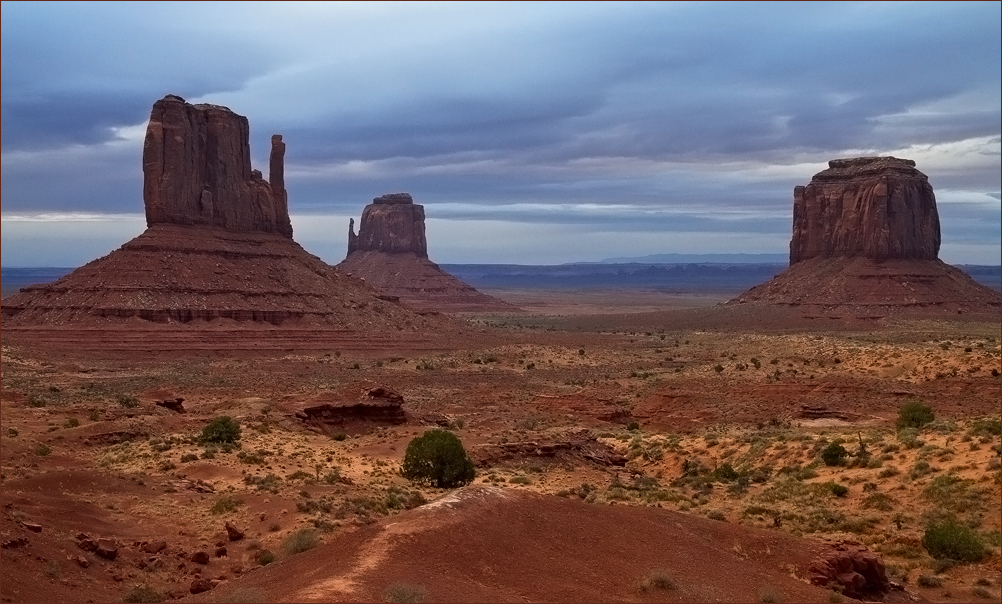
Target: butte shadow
point(390, 253)
point(218, 253)
point(865, 244)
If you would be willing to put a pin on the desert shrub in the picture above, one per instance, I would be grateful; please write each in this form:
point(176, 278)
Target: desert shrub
point(71, 423)
point(987, 426)
point(438, 457)
point(880, 501)
point(223, 429)
point(301, 541)
point(929, 581)
point(403, 593)
point(633, 426)
point(836, 489)
point(834, 455)
point(143, 593)
point(225, 504)
point(265, 557)
point(127, 400)
point(950, 538)
point(768, 593)
point(915, 414)
point(189, 457)
point(42, 449)
point(657, 579)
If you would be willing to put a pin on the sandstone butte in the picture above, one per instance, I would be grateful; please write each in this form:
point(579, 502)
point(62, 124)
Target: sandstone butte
point(218, 248)
point(390, 252)
point(866, 242)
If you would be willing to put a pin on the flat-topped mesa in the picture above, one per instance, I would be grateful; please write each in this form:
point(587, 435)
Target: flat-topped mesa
point(880, 208)
point(197, 171)
point(393, 224)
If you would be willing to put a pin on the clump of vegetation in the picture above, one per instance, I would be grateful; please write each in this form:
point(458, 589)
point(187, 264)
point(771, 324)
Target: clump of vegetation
point(301, 541)
point(657, 579)
point(915, 414)
point(143, 593)
point(42, 449)
point(225, 504)
point(223, 429)
point(438, 457)
point(404, 592)
point(949, 538)
point(265, 557)
point(834, 454)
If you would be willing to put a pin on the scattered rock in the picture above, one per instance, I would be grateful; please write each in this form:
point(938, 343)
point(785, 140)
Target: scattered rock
point(31, 526)
point(199, 486)
point(85, 542)
point(113, 438)
point(233, 533)
point(174, 404)
point(578, 445)
point(14, 542)
point(153, 547)
point(328, 412)
point(107, 549)
point(200, 585)
point(82, 561)
point(220, 552)
point(200, 557)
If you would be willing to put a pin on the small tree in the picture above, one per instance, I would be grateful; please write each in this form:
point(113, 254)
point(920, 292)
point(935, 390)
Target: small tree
point(438, 456)
point(223, 429)
point(834, 455)
point(915, 414)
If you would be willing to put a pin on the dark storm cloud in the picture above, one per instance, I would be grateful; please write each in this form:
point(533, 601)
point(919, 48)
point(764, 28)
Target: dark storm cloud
point(503, 111)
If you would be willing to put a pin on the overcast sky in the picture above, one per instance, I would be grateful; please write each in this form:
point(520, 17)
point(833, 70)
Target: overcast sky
point(533, 133)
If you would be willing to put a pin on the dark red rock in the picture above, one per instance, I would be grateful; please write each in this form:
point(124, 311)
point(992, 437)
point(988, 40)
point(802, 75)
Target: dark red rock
point(33, 527)
point(220, 552)
point(14, 543)
point(855, 570)
point(173, 404)
point(82, 561)
point(328, 412)
point(872, 207)
point(200, 585)
point(233, 533)
point(107, 549)
point(86, 543)
point(154, 547)
point(200, 557)
point(197, 171)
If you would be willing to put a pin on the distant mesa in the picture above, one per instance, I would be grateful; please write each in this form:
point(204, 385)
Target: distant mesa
point(218, 247)
point(866, 240)
point(390, 252)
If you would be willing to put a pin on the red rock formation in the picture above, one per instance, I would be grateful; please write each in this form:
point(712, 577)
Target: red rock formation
point(393, 224)
point(197, 171)
point(865, 243)
point(872, 207)
point(218, 249)
point(391, 253)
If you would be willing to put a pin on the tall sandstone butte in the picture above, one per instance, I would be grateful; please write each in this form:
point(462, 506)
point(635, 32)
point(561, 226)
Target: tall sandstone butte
point(218, 250)
point(874, 207)
point(393, 224)
point(390, 252)
point(197, 171)
point(866, 243)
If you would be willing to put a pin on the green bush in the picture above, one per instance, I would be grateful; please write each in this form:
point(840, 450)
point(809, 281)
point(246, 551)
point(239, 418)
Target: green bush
point(834, 455)
point(223, 429)
point(438, 456)
point(950, 538)
point(915, 414)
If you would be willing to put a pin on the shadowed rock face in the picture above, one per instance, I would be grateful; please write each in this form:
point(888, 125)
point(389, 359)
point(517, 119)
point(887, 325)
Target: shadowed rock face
point(393, 224)
point(880, 208)
point(197, 171)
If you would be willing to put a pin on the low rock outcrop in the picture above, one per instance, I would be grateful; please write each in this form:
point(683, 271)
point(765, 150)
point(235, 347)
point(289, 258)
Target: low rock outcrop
point(390, 252)
point(854, 570)
point(865, 244)
point(332, 412)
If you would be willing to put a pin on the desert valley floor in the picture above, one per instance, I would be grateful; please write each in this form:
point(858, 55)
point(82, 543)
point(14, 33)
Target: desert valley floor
point(629, 446)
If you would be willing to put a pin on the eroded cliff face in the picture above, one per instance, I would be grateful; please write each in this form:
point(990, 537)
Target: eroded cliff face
point(393, 224)
point(197, 171)
point(880, 208)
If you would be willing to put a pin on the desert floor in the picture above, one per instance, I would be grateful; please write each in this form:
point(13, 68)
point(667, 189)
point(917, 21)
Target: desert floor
point(618, 440)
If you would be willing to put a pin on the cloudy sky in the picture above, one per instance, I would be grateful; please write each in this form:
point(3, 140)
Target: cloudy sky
point(533, 133)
